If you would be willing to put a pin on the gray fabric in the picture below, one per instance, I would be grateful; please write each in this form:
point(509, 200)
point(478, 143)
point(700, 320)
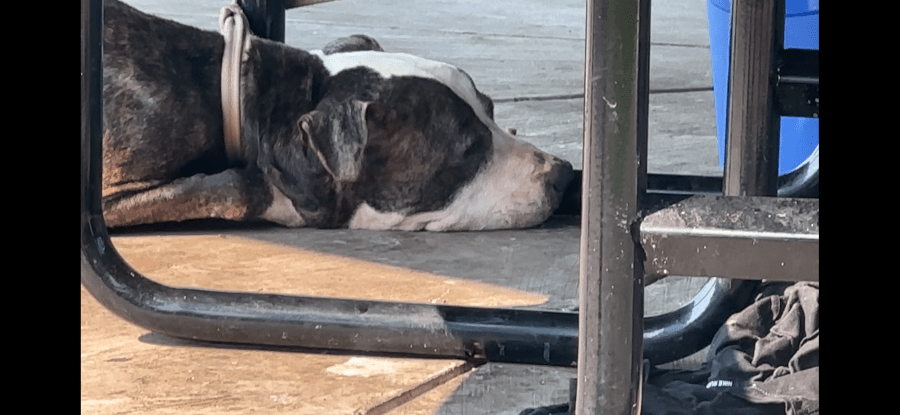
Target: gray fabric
point(764, 360)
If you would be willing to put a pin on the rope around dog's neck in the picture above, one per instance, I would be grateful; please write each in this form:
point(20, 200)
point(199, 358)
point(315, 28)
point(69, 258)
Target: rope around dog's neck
point(234, 27)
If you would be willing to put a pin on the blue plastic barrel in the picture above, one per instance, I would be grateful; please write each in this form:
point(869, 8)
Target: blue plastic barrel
point(799, 136)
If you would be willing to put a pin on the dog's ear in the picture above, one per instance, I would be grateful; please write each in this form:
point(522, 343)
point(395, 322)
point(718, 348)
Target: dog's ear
point(337, 133)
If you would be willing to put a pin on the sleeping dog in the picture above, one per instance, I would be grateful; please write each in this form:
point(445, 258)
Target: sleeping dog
point(348, 136)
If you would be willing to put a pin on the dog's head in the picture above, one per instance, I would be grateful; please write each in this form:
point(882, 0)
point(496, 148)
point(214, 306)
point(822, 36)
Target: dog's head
point(411, 144)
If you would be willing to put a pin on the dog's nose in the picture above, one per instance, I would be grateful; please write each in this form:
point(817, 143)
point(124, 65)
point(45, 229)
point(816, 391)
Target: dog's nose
point(561, 174)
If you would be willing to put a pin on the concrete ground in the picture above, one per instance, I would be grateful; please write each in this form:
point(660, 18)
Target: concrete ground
point(526, 54)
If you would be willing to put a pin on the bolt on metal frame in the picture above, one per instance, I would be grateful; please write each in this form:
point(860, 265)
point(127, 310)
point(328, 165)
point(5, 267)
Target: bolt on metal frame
point(629, 232)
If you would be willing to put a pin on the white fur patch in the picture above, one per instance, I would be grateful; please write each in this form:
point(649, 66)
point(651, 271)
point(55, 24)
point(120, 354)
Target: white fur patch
point(366, 217)
point(282, 210)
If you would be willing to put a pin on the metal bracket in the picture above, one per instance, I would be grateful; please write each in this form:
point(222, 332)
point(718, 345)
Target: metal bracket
point(797, 83)
point(734, 237)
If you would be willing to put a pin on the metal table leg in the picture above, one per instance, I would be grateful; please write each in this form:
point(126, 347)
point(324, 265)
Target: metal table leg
point(753, 128)
point(611, 289)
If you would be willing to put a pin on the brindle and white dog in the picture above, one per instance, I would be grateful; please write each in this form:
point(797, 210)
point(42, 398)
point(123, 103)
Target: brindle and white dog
point(349, 136)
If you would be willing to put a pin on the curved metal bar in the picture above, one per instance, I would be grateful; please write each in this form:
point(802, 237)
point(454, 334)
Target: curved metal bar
point(802, 181)
point(497, 335)
point(501, 335)
point(683, 332)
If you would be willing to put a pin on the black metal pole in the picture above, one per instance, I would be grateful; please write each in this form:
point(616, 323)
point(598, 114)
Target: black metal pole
point(91, 101)
point(610, 280)
point(266, 18)
point(753, 123)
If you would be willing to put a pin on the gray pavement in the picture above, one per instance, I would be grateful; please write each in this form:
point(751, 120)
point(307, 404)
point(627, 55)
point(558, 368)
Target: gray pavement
point(523, 53)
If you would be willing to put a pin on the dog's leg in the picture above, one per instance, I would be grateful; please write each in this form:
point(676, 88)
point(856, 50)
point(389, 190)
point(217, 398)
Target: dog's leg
point(220, 195)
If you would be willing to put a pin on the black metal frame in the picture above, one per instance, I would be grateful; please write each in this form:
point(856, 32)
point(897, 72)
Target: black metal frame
point(266, 18)
point(616, 198)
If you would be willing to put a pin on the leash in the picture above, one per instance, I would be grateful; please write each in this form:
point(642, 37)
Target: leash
point(234, 27)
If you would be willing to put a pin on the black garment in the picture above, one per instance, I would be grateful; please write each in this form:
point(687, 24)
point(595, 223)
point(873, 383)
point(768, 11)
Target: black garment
point(764, 360)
